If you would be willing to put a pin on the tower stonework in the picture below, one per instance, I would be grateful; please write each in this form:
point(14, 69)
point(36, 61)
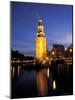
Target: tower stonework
point(40, 42)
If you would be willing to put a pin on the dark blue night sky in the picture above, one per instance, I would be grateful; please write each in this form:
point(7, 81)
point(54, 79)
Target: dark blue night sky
point(57, 20)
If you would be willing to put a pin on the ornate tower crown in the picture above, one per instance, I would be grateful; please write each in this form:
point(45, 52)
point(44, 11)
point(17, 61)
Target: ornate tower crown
point(40, 27)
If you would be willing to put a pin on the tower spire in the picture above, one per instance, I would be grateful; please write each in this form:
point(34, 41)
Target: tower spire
point(40, 21)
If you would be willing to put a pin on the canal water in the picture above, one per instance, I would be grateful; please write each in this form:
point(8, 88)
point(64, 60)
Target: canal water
point(53, 81)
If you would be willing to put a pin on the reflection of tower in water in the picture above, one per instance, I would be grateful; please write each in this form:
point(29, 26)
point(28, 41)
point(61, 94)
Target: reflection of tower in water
point(40, 42)
point(41, 81)
point(41, 76)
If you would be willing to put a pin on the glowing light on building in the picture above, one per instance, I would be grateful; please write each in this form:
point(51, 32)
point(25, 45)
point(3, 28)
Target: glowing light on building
point(40, 42)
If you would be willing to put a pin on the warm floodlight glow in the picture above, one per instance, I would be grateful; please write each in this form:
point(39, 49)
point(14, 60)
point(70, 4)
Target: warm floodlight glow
point(54, 85)
point(40, 48)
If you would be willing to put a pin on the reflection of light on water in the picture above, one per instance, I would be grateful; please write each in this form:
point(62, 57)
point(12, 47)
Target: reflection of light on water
point(54, 85)
point(18, 70)
point(41, 81)
point(13, 71)
point(48, 72)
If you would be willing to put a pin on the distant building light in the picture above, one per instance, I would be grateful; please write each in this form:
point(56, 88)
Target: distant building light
point(70, 50)
point(60, 56)
point(63, 57)
point(34, 63)
point(44, 62)
point(13, 61)
point(65, 48)
point(18, 61)
point(53, 53)
point(51, 59)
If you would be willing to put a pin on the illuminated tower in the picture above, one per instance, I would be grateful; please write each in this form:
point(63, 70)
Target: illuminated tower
point(40, 42)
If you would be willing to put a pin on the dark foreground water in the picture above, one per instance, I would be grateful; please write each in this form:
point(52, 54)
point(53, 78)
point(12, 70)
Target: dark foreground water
point(56, 80)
